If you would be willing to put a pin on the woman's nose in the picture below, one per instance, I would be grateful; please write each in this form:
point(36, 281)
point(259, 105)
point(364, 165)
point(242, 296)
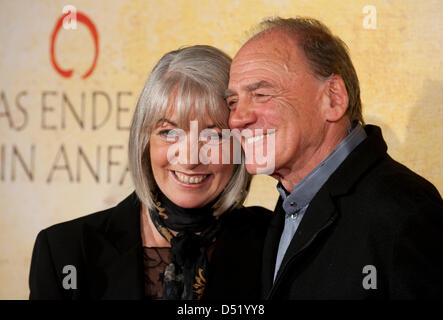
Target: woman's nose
point(193, 152)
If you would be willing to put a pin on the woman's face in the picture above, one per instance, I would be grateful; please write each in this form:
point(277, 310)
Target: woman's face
point(188, 182)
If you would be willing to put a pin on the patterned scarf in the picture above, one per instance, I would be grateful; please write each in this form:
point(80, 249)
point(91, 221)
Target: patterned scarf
point(185, 276)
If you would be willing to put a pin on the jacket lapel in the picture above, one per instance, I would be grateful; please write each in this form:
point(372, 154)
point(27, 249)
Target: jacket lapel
point(115, 256)
point(270, 248)
point(319, 216)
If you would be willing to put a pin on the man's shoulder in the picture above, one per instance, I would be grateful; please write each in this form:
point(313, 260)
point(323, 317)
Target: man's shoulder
point(389, 193)
point(386, 176)
point(250, 213)
point(390, 179)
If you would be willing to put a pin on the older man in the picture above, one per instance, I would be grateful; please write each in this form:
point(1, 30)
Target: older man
point(351, 223)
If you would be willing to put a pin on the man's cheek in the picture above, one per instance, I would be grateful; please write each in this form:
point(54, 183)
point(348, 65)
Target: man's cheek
point(272, 113)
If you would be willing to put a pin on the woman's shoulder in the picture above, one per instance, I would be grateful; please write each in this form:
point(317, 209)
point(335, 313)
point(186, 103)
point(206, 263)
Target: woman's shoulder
point(98, 221)
point(71, 228)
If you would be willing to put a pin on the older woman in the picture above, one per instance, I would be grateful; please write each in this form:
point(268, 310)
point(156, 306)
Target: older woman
point(183, 233)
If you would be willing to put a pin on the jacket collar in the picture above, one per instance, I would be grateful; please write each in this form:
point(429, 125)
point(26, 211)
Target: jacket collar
point(365, 155)
point(115, 255)
point(322, 211)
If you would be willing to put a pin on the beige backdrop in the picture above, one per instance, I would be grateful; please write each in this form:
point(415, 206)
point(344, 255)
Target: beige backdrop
point(57, 164)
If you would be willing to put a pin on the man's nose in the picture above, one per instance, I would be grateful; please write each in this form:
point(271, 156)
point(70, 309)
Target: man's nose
point(242, 116)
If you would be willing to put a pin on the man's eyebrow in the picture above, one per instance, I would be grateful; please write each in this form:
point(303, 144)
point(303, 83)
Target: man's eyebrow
point(249, 87)
point(258, 85)
point(228, 93)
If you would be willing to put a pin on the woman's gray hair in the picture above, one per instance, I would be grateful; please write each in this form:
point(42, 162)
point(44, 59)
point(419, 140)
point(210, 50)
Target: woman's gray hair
point(193, 80)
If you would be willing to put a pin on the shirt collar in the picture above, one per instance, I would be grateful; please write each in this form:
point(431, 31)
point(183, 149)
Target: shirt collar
point(306, 189)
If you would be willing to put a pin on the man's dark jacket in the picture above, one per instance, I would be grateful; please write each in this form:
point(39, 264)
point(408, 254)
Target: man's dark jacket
point(106, 250)
point(371, 212)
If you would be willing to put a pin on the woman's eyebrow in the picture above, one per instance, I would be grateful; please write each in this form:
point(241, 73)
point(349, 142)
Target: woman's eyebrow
point(210, 126)
point(168, 121)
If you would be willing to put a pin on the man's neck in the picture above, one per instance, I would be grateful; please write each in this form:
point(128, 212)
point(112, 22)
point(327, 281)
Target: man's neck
point(291, 175)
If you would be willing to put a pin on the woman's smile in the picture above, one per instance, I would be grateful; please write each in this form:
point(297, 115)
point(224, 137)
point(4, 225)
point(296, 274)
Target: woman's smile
point(194, 180)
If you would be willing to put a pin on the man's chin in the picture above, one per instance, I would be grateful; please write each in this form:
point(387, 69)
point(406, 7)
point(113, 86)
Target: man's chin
point(254, 168)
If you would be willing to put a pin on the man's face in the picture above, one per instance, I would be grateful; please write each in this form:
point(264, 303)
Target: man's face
point(272, 86)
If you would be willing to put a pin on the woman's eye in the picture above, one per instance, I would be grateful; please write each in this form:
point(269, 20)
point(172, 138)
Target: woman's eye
point(211, 136)
point(170, 134)
point(163, 133)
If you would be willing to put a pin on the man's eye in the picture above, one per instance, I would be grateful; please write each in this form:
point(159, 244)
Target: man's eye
point(262, 97)
point(260, 94)
point(231, 103)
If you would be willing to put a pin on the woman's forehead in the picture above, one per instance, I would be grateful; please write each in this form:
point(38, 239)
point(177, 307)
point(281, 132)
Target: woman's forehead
point(183, 117)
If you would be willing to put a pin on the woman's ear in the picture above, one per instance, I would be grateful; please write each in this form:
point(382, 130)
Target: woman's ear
point(338, 99)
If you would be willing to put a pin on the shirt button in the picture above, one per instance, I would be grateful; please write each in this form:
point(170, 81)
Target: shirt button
point(292, 203)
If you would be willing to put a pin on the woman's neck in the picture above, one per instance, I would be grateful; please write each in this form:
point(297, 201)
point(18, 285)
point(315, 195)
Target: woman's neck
point(150, 235)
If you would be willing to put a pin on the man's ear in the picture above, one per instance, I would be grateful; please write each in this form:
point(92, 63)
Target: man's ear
point(338, 98)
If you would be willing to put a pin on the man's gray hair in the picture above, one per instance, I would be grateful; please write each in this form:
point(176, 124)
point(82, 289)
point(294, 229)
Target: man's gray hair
point(193, 81)
point(326, 53)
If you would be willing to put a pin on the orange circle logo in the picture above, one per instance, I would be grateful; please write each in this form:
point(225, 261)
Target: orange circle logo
point(80, 17)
